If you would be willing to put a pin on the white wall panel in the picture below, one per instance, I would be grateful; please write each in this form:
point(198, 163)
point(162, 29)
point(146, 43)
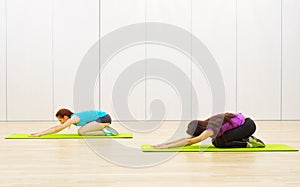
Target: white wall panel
point(259, 58)
point(75, 31)
point(2, 60)
point(177, 105)
point(290, 60)
point(46, 41)
point(116, 14)
point(29, 59)
point(214, 24)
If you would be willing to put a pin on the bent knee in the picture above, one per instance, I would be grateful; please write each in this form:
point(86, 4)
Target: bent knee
point(80, 132)
point(219, 145)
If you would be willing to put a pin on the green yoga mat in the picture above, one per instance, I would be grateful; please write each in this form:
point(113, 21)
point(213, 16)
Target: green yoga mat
point(211, 148)
point(65, 136)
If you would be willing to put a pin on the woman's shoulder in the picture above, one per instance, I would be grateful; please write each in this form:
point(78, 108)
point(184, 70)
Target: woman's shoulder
point(74, 119)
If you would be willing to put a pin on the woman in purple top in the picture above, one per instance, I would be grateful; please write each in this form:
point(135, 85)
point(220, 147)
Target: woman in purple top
point(226, 130)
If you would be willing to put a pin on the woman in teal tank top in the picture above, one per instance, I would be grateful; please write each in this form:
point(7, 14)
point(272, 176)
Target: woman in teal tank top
point(91, 122)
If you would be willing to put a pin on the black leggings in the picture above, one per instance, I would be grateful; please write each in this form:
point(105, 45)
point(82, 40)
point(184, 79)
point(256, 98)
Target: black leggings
point(236, 137)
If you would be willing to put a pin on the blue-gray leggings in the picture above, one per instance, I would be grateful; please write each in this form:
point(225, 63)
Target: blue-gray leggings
point(236, 137)
point(104, 119)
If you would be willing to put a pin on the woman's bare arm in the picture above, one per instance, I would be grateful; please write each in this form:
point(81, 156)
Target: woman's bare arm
point(164, 145)
point(57, 128)
point(186, 141)
point(204, 135)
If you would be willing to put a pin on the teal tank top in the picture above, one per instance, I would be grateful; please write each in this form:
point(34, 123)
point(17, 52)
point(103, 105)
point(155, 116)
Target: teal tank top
point(88, 116)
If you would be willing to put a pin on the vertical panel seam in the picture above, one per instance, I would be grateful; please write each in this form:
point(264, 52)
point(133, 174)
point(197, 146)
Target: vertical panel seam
point(236, 55)
point(99, 39)
point(52, 54)
point(145, 117)
point(6, 77)
point(191, 61)
point(281, 61)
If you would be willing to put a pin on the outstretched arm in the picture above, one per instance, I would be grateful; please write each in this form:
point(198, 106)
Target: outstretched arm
point(57, 128)
point(186, 141)
point(165, 145)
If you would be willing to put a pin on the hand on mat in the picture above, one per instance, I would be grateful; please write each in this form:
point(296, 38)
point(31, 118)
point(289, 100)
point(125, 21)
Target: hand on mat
point(35, 134)
point(161, 146)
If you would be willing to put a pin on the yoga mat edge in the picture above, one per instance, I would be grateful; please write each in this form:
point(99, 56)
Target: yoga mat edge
point(65, 136)
point(211, 148)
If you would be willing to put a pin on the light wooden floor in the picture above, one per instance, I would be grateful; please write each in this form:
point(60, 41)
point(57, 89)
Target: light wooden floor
point(74, 163)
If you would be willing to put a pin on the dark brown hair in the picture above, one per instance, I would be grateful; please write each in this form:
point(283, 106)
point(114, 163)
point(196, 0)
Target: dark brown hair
point(64, 112)
point(196, 127)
